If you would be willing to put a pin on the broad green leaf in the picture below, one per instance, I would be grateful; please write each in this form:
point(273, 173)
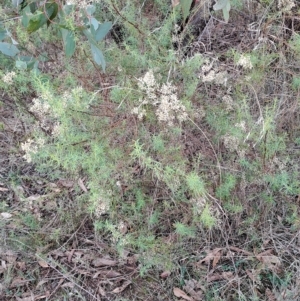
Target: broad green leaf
point(220, 4)
point(3, 34)
point(102, 31)
point(8, 49)
point(90, 37)
point(186, 6)
point(39, 19)
point(36, 22)
point(69, 42)
point(90, 9)
point(68, 8)
point(51, 16)
point(98, 56)
point(21, 65)
point(95, 23)
point(16, 3)
point(25, 16)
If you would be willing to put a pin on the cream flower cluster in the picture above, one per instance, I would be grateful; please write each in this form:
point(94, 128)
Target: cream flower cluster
point(31, 147)
point(211, 74)
point(245, 62)
point(8, 77)
point(168, 107)
point(286, 5)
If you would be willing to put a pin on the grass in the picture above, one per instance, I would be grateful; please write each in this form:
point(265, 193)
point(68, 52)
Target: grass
point(200, 186)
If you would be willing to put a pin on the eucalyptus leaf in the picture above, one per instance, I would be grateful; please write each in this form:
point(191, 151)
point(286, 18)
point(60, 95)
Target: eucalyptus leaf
point(36, 22)
point(95, 23)
point(90, 9)
point(41, 18)
point(8, 49)
point(25, 16)
point(98, 56)
point(102, 31)
point(225, 14)
point(220, 4)
point(21, 65)
point(186, 6)
point(69, 42)
point(3, 34)
point(16, 3)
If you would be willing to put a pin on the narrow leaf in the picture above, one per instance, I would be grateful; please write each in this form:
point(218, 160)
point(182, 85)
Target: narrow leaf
point(98, 56)
point(69, 42)
point(220, 4)
point(95, 23)
point(225, 14)
point(8, 49)
point(186, 6)
point(102, 31)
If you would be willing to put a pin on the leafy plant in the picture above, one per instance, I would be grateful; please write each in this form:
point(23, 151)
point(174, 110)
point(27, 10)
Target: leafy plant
point(71, 19)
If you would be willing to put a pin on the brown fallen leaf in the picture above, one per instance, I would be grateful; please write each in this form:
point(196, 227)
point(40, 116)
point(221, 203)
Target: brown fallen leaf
point(238, 250)
point(81, 185)
point(217, 256)
point(165, 274)
point(3, 189)
point(68, 284)
point(121, 288)
point(101, 291)
point(101, 262)
point(181, 294)
point(18, 281)
point(220, 276)
point(214, 255)
point(271, 261)
point(43, 264)
point(65, 183)
point(107, 274)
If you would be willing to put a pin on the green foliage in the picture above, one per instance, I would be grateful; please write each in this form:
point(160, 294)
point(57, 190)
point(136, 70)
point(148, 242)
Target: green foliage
point(208, 220)
point(225, 189)
point(183, 230)
point(35, 15)
point(195, 184)
point(225, 6)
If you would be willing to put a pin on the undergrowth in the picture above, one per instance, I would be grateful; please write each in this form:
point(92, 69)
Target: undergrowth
point(171, 150)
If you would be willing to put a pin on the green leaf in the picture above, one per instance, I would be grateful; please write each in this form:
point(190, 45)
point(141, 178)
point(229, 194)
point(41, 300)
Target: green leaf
point(16, 3)
point(98, 56)
point(225, 14)
point(36, 22)
point(25, 16)
point(90, 9)
point(54, 6)
point(186, 6)
point(220, 4)
point(102, 31)
point(95, 23)
point(41, 18)
point(21, 65)
point(69, 42)
point(8, 49)
point(3, 34)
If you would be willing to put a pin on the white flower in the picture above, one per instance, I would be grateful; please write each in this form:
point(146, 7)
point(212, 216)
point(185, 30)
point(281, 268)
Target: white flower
point(245, 62)
point(8, 77)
